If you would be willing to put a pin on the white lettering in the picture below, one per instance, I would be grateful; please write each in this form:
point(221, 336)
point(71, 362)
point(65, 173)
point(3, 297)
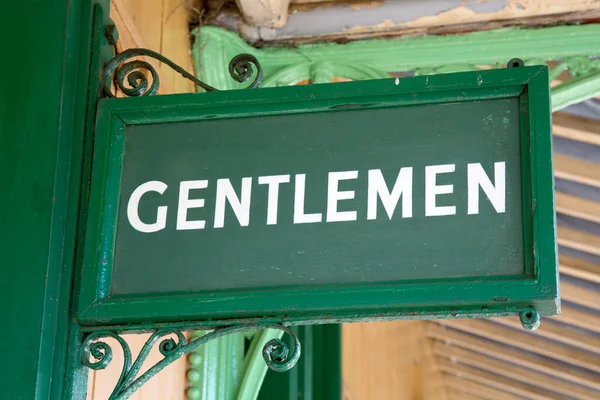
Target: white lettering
point(378, 188)
point(432, 190)
point(496, 193)
point(334, 196)
point(134, 202)
point(240, 207)
point(378, 194)
point(299, 216)
point(186, 203)
point(273, 194)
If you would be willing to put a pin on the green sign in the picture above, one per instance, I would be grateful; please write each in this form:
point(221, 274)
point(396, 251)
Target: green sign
point(419, 197)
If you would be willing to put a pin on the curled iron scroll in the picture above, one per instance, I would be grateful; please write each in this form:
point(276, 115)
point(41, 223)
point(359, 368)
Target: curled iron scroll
point(135, 72)
point(97, 353)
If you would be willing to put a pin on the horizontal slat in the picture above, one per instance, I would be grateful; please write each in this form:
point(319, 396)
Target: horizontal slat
point(496, 381)
point(527, 359)
point(578, 207)
point(579, 268)
point(525, 341)
point(453, 394)
point(467, 386)
point(579, 319)
point(578, 170)
point(578, 240)
point(557, 332)
point(577, 128)
point(580, 295)
point(512, 371)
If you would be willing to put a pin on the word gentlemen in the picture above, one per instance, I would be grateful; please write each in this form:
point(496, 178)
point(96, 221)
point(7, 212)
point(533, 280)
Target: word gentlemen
point(378, 191)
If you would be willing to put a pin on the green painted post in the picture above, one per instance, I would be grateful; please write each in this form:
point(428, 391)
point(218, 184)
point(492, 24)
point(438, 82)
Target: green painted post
point(42, 109)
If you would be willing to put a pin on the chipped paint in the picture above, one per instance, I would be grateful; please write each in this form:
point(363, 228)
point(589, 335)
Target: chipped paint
point(468, 13)
point(411, 16)
point(267, 13)
point(360, 6)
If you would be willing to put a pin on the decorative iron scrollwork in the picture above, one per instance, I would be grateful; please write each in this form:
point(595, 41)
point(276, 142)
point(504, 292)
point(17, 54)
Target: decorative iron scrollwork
point(97, 353)
point(135, 72)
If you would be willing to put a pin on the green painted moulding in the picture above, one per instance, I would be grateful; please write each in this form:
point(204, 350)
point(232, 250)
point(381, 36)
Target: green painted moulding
point(571, 46)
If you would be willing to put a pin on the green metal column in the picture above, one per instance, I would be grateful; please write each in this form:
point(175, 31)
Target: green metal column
point(318, 375)
point(42, 107)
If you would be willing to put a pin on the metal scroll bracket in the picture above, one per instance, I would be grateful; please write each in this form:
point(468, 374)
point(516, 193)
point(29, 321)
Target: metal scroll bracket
point(127, 66)
point(97, 353)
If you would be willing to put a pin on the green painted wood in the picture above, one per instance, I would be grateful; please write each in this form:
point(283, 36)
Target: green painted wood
point(255, 367)
point(109, 295)
point(575, 91)
point(225, 369)
point(318, 375)
point(41, 128)
point(93, 43)
point(376, 58)
point(217, 368)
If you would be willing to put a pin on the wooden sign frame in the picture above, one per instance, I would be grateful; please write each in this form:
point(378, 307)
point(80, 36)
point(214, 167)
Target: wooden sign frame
point(536, 290)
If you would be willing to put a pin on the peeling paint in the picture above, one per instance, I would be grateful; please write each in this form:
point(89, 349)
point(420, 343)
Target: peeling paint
point(267, 13)
point(469, 13)
point(378, 16)
point(358, 7)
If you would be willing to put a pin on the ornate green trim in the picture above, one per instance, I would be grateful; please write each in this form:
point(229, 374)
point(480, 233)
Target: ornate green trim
point(215, 369)
point(97, 353)
point(575, 90)
point(572, 46)
point(224, 369)
point(254, 367)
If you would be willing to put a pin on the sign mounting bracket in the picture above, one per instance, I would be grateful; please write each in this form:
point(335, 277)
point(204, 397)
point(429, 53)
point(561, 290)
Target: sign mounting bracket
point(121, 68)
point(97, 354)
